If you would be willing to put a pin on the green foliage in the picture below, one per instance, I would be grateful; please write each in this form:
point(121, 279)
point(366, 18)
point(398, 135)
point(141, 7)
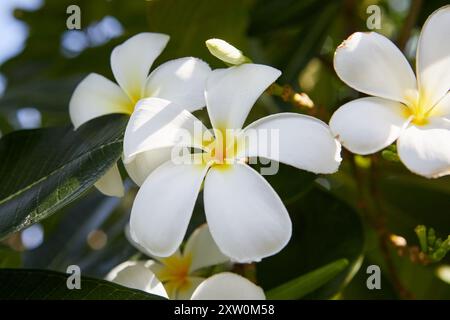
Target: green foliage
point(293, 36)
point(324, 230)
point(390, 153)
point(435, 248)
point(199, 21)
point(305, 284)
point(9, 258)
point(45, 169)
point(21, 284)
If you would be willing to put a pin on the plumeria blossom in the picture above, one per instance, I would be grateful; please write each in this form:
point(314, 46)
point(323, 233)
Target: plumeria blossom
point(221, 286)
point(181, 81)
point(247, 219)
point(176, 276)
point(415, 112)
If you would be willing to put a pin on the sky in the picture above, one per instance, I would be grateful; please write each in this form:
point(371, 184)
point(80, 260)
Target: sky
point(13, 32)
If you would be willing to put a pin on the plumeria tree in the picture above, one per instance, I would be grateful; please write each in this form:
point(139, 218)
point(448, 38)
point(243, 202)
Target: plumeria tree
point(193, 150)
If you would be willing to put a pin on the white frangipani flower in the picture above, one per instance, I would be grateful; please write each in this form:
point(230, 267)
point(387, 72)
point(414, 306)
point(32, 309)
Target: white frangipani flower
point(221, 286)
point(181, 81)
point(175, 276)
point(247, 219)
point(415, 112)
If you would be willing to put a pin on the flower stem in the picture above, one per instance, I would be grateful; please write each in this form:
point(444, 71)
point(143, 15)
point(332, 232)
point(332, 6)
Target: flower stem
point(409, 24)
point(370, 205)
point(288, 94)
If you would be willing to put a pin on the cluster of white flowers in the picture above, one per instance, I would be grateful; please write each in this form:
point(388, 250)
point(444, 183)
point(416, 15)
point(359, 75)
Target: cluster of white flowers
point(180, 81)
point(246, 218)
point(176, 276)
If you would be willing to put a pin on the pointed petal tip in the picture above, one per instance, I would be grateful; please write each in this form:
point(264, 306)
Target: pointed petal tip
point(111, 183)
point(371, 63)
point(232, 199)
point(131, 61)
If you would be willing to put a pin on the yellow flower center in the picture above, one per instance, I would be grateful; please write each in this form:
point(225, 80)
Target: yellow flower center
point(174, 273)
point(222, 150)
point(418, 108)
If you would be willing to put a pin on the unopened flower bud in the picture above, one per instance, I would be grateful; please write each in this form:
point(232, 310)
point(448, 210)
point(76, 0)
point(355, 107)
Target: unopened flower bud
point(226, 52)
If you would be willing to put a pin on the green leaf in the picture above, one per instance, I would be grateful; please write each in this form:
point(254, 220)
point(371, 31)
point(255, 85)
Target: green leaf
point(308, 42)
point(289, 182)
point(191, 22)
point(411, 200)
point(50, 285)
point(9, 258)
point(66, 234)
point(324, 229)
point(268, 15)
point(292, 32)
point(305, 284)
point(45, 169)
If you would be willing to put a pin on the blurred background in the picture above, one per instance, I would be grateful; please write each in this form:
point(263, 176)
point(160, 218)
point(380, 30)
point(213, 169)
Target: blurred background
point(366, 212)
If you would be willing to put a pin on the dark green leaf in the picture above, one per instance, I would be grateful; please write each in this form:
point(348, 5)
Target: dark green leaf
point(325, 229)
point(305, 284)
point(45, 169)
point(411, 200)
point(9, 258)
point(292, 32)
point(268, 15)
point(307, 44)
point(289, 182)
point(50, 285)
point(195, 21)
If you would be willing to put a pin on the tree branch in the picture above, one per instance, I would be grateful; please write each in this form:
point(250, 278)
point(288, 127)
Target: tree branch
point(409, 24)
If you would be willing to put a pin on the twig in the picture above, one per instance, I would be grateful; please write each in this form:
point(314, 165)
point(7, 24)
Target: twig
point(370, 205)
point(383, 234)
point(288, 94)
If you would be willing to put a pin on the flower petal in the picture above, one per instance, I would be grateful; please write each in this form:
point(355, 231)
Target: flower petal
point(442, 108)
point(433, 57)
point(159, 262)
point(425, 150)
point(228, 286)
point(367, 125)
point(141, 165)
point(154, 267)
point(187, 289)
point(371, 63)
point(295, 139)
point(232, 92)
point(181, 81)
point(203, 250)
point(163, 207)
point(111, 183)
point(96, 96)
point(246, 217)
point(137, 275)
point(131, 61)
point(159, 123)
